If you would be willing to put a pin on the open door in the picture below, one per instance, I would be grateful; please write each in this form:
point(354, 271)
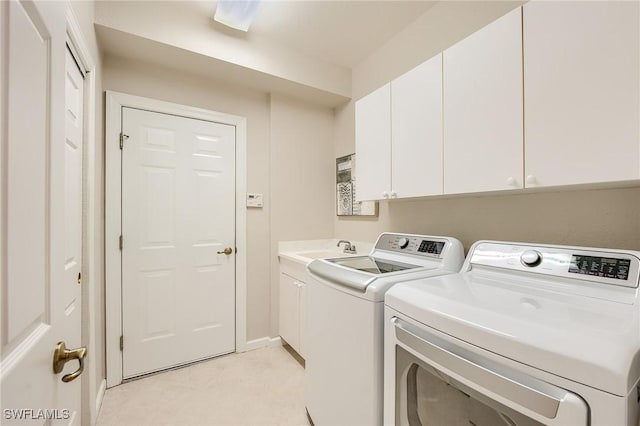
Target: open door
point(40, 217)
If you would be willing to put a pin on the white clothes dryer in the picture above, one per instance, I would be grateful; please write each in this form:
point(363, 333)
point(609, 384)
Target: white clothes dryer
point(525, 334)
point(345, 310)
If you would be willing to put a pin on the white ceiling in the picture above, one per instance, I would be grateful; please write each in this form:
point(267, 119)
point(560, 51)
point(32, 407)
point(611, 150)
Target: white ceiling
point(338, 32)
point(304, 48)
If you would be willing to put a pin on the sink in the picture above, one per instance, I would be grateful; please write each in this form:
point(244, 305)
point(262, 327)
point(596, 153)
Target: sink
point(322, 254)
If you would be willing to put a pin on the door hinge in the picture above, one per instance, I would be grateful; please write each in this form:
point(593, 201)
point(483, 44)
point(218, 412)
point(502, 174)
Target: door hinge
point(121, 342)
point(120, 242)
point(123, 137)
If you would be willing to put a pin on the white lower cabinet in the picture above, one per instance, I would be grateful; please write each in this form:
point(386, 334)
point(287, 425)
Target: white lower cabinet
point(302, 303)
point(292, 321)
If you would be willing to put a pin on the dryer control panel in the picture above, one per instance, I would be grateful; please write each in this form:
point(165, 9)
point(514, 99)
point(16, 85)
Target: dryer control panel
point(604, 266)
point(422, 245)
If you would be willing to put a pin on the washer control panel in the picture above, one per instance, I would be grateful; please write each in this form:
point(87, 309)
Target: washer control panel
point(597, 265)
point(421, 245)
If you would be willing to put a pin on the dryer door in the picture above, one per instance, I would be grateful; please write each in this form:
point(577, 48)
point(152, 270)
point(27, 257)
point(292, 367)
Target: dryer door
point(439, 383)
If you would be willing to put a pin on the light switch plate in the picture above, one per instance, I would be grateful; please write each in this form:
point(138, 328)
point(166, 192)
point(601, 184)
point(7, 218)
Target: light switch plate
point(254, 200)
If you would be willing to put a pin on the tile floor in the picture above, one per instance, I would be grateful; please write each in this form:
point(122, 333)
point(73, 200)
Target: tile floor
point(261, 387)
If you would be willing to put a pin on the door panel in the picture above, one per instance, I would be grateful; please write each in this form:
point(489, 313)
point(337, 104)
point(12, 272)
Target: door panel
point(416, 130)
point(289, 318)
point(71, 292)
point(178, 201)
point(159, 294)
point(73, 191)
point(373, 145)
point(582, 92)
point(27, 177)
point(483, 124)
point(40, 213)
point(302, 306)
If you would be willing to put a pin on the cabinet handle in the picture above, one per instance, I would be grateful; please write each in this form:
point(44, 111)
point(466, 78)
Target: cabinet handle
point(531, 180)
point(394, 194)
point(511, 181)
point(385, 194)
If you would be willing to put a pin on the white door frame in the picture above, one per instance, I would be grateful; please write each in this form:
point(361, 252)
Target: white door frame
point(91, 396)
point(113, 223)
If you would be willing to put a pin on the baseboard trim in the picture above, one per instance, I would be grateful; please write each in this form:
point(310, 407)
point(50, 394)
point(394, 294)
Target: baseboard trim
point(262, 342)
point(100, 397)
point(275, 341)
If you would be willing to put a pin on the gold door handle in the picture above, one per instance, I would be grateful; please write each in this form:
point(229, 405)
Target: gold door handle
point(62, 355)
point(226, 251)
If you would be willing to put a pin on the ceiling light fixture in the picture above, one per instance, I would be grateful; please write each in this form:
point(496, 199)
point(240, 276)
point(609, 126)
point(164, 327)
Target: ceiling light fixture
point(237, 14)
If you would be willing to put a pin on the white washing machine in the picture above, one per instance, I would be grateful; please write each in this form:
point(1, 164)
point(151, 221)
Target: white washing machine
point(524, 335)
point(345, 318)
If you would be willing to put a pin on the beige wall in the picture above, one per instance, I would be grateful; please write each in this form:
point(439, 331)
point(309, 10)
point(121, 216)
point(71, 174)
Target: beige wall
point(600, 218)
point(302, 167)
point(289, 161)
point(595, 218)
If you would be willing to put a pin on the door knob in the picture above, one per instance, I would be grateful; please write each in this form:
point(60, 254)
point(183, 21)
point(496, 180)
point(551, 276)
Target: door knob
point(226, 251)
point(62, 355)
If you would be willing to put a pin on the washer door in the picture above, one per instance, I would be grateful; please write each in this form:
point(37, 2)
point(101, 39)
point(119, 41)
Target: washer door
point(440, 383)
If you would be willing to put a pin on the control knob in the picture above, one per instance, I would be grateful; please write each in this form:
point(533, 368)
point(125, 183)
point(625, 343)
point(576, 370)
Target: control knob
point(531, 258)
point(403, 242)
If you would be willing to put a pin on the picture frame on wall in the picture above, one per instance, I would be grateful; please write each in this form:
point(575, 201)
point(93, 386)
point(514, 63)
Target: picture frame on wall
point(346, 204)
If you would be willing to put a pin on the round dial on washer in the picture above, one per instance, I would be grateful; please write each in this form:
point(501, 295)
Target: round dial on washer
point(403, 242)
point(531, 258)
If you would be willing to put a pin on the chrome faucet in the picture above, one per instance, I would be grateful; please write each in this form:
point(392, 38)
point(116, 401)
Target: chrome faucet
point(348, 247)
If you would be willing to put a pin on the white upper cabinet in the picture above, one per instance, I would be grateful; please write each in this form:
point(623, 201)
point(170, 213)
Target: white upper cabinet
point(399, 136)
point(581, 92)
point(416, 131)
point(483, 124)
point(373, 145)
point(547, 95)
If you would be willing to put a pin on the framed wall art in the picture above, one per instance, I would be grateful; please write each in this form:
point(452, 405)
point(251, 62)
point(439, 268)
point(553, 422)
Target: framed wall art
point(346, 190)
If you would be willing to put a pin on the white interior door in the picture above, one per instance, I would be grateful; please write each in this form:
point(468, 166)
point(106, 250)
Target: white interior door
point(41, 214)
point(72, 295)
point(178, 217)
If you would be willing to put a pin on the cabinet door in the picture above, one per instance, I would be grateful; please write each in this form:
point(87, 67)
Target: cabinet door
point(289, 311)
point(373, 145)
point(483, 133)
point(416, 131)
point(302, 302)
point(581, 92)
